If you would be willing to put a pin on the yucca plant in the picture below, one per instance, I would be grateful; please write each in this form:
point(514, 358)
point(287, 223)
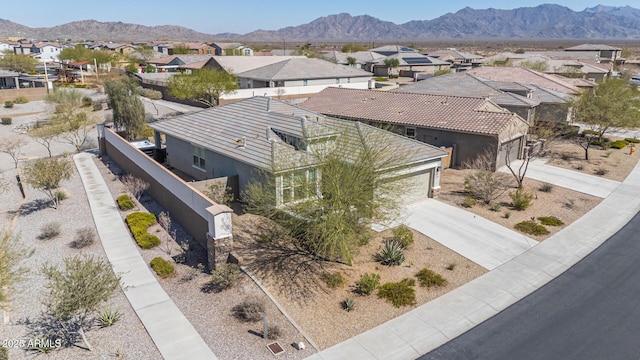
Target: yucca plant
point(391, 254)
point(109, 317)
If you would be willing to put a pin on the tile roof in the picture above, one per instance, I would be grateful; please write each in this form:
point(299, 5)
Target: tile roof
point(456, 113)
point(592, 47)
point(362, 57)
point(456, 54)
point(239, 64)
point(257, 119)
point(394, 48)
point(416, 59)
point(524, 76)
point(303, 68)
point(464, 84)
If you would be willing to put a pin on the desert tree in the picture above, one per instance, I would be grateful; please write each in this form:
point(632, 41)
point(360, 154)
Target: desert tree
point(337, 195)
point(128, 109)
point(391, 63)
point(540, 66)
point(46, 176)
point(135, 185)
point(483, 182)
point(204, 85)
point(17, 62)
point(12, 146)
point(351, 60)
point(614, 103)
point(45, 136)
point(181, 49)
point(71, 119)
point(76, 291)
point(12, 252)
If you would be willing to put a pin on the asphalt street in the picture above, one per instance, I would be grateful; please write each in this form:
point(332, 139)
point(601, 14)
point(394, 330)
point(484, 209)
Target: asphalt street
point(592, 311)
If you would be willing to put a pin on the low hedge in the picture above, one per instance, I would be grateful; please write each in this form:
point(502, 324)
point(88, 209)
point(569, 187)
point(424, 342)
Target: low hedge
point(620, 144)
point(550, 221)
point(632, 140)
point(138, 223)
point(429, 278)
point(125, 203)
point(531, 228)
point(6, 121)
point(162, 267)
point(400, 293)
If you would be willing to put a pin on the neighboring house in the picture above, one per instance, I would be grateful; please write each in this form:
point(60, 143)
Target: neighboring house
point(301, 72)
point(471, 125)
point(240, 64)
point(467, 85)
point(221, 48)
point(359, 59)
point(173, 62)
point(5, 46)
point(388, 50)
point(410, 64)
point(14, 84)
point(256, 136)
point(460, 60)
point(526, 76)
point(602, 53)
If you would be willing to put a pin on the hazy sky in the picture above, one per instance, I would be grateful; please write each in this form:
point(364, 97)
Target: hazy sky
point(243, 16)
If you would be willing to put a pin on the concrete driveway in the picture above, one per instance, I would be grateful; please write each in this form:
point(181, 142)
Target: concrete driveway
point(474, 237)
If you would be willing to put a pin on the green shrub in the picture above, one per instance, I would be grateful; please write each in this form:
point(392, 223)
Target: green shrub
point(546, 187)
point(6, 121)
point(8, 104)
point(380, 79)
point(138, 223)
point(333, 280)
point(521, 199)
point(620, 144)
point(601, 171)
point(223, 277)
point(4, 353)
point(495, 208)
point(349, 304)
point(403, 235)
point(162, 267)
point(550, 221)
point(21, 100)
point(531, 227)
point(151, 94)
point(273, 332)
point(62, 194)
point(250, 310)
point(87, 102)
point(109, 317)
point(589, 132)
point(391, 254)
point(125, 203)
point(97, 106)
point(469, 202)
point(428, 278)
point(632, 140)
point(400, 293)
point(367, 284)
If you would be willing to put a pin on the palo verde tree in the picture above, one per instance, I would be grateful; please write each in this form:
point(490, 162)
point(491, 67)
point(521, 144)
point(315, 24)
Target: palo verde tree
point(391, 63)
point(330, 203)
point(204, 85)
point(17, 62)
point(128, 109)
point(614, 103)
point(46, 176)
point(76, 291)
point(72, 119)
point(12, 252)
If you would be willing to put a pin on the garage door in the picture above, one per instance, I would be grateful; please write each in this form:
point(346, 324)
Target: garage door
point(415, 187)
point(512, 148)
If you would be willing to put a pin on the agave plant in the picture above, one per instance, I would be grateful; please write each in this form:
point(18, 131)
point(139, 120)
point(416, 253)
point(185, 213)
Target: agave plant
point(391, 254)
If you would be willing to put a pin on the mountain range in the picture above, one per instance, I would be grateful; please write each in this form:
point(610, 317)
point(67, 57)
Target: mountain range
point(542, 22)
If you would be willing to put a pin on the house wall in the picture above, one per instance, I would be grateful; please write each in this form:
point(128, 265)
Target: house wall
point(187, 205)
point(552, 113)
point(180, 156)
point(466, 146)
point(33, 94)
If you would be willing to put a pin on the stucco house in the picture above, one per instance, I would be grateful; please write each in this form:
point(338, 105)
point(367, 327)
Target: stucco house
point(248, 137)
point(470, 125)
point(460, 60)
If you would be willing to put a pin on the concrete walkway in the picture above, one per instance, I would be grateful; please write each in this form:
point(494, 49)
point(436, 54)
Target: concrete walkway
point(169, 329)
point(425, 328)
point(482, 241)
point(574, 180)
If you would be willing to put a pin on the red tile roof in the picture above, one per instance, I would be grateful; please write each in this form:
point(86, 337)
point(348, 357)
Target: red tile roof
point(463, 114)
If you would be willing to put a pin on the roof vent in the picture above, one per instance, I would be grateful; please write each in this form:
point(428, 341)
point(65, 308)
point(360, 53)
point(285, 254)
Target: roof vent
point(241, 142)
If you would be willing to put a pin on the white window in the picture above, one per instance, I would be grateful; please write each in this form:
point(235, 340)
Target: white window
point(298, 185)
point(304, 82)
point(410, 133)
point(199, 157)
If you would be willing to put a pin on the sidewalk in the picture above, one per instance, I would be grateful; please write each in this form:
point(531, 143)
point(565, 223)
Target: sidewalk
point(574, 180)
point(425, 328)
point(169, 329)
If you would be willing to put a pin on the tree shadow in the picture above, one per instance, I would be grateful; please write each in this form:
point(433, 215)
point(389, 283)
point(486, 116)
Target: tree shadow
point(47, 328)
point(31, 207)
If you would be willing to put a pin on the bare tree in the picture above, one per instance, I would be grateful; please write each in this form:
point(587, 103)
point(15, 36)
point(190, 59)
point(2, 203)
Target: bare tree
point(483, 182)
point(44, 135)
point(12, 147)
point(134, 185)
point(164, 219)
